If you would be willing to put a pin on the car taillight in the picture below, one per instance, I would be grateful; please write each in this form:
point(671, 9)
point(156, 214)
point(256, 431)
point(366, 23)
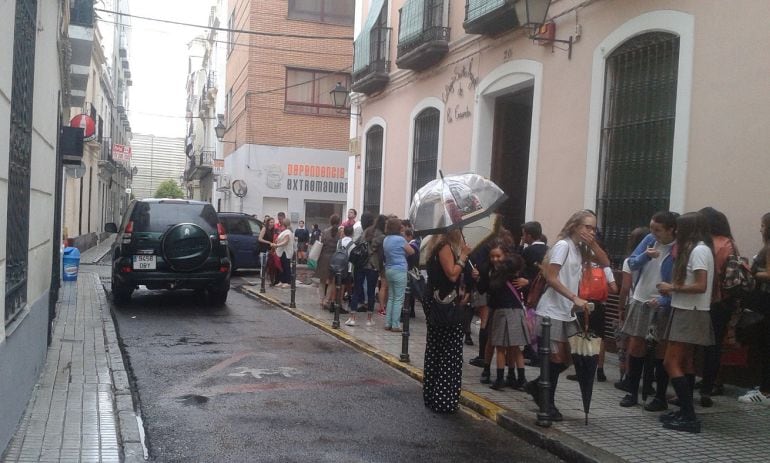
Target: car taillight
point(125, 269)
point(222, 233)
point(127, 233)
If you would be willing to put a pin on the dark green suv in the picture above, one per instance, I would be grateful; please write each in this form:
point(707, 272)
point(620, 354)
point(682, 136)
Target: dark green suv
point(170, 244)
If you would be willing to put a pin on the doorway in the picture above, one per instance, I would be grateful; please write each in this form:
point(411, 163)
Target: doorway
point(510, 155)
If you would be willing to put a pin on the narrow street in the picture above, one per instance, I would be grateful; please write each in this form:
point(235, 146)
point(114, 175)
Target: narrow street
point(252, 383)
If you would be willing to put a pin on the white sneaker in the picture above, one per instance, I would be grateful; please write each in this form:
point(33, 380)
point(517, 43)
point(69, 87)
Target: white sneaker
point(754, 396)
point(350, 322)
point(369, 323)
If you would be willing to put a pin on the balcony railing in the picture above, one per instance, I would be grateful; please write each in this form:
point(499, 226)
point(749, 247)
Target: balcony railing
point(206, 157)
point(82, 13)
point(371, 72)
point(423, 38)
point(489, 17)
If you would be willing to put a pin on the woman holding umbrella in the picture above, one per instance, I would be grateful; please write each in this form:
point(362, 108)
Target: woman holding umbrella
point(444, 345)
point(576, 244)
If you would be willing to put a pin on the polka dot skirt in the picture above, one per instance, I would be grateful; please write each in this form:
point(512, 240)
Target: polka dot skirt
point(443, 368)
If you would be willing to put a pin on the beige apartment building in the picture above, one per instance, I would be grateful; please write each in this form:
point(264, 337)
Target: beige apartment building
point(655, 104)
point(284, 138)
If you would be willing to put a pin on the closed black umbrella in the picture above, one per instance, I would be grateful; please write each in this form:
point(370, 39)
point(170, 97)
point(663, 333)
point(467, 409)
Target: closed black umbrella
point(585, 356)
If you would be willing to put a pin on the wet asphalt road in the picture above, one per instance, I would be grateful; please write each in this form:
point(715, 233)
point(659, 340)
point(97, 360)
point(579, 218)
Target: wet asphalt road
point(250, 382)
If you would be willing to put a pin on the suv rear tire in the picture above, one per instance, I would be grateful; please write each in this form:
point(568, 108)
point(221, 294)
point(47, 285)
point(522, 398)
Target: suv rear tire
point(120, 294)
point(217, 295)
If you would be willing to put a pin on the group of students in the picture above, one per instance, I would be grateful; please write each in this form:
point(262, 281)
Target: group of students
point(670, 290)
point(391, 251)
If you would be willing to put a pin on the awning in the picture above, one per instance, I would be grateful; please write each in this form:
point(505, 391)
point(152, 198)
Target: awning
point(411, 25)
point(362, 49)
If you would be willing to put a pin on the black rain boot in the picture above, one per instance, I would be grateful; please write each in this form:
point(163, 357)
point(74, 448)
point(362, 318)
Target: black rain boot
point(686, 420)
point(658, 403)
point(556, 370)
point(499, 381)
point(485, 375)
point(635, 368)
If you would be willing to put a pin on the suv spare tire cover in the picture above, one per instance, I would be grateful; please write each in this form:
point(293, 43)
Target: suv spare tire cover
point(186, 247)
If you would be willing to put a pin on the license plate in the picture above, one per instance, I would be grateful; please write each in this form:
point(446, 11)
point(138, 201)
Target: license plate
point(144, 262)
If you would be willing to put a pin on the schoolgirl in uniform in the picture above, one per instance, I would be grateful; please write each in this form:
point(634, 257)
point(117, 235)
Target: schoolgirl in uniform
point(690, 323)
point(508, 327)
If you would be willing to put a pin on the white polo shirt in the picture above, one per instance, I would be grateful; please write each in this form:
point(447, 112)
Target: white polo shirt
point(552, 304)
point(701, 258)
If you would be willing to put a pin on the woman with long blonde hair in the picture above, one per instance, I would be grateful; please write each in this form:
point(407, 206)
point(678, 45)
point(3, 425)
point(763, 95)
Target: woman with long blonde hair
point(444, 344)
point(576, 245)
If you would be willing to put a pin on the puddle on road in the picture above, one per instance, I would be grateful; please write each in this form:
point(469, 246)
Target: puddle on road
point(192, 399)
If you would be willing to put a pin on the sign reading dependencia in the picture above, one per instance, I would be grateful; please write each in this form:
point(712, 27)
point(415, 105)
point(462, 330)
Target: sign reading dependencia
point(316, 178)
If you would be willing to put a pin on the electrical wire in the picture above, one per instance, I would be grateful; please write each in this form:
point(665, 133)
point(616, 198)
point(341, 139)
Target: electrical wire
point(225, 29)
point(225, 43)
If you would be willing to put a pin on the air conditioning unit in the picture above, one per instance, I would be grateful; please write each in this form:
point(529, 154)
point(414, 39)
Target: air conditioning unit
point(223, 183)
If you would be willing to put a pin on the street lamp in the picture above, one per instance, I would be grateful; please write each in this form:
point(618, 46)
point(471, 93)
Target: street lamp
point(340, 97)
point(533, 13)
point(220, 130)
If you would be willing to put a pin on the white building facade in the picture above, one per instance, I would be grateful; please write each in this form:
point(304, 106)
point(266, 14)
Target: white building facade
point(32, 71)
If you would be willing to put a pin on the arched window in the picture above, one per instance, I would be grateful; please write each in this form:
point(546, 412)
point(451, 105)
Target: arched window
point(373, 169)
point(425, 149)
point(637, 136)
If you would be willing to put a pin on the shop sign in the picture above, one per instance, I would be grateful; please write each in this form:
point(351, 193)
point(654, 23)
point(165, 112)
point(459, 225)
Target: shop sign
point(463, 79)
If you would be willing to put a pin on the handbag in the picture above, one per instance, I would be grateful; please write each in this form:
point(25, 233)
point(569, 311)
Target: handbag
point(314, 254)
point(536, 289)
point(593, 284)
point(737, 279)
point(447, 312)
point(749, 326)
point(275, 262)
point(417, 284)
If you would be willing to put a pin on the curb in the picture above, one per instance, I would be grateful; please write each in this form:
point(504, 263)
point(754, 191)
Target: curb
point(131, 444)
point(554, 441)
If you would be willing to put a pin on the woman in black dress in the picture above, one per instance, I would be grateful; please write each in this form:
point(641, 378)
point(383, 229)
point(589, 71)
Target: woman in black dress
point(444, 345)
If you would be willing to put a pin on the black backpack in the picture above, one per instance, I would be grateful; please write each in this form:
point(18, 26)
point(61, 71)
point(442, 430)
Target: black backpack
point(359, 256)
point(339, 260)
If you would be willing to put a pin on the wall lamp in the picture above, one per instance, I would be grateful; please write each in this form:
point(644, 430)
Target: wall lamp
point(533, 13)
point(220, 130)
point(340, 98)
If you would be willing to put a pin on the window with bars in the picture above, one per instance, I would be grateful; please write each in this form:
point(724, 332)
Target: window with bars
point(17, 220)
point(373, 169)
point(637, 136)
point(373, 41)
point(425, 149)
point(326, 11)
point(307, 91)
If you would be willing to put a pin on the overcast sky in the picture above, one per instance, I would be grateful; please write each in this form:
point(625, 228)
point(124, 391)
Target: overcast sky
point(158, 60)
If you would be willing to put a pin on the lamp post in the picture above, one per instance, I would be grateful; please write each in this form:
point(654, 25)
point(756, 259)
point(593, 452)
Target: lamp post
point(340, 97)
point(533, 13)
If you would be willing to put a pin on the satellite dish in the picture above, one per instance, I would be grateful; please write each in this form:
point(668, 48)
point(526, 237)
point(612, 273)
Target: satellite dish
point(76, 171)
point(239, 188)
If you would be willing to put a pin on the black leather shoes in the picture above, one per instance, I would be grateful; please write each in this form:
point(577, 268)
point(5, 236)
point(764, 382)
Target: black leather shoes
point(629, 401)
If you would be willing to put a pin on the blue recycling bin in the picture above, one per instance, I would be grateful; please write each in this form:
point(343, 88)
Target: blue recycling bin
point(70, 264)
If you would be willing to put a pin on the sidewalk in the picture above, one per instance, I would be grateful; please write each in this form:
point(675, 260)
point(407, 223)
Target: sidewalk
point(94, 254)
point(81, 409)
point(731, 431)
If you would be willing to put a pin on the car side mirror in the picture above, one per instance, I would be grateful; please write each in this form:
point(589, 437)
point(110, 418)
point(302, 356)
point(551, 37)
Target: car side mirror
point(110, 227)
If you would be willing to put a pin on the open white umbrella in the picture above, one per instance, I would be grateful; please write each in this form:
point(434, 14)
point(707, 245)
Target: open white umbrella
point(454, 201)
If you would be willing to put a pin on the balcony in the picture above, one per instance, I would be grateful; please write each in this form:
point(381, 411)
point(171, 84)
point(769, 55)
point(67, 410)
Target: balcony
point(371, 63)
point(82, 13)
point(81, 36)
point(423, 38)
point(490, 17)
point(202, 164)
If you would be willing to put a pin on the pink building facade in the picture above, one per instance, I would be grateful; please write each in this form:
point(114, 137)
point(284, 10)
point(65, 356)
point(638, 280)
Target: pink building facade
point(660, 104)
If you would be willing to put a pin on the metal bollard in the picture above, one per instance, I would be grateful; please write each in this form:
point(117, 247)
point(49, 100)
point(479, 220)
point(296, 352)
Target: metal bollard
point(337, 300)
point(405, 311)
point(292, 302)
point(262, 270)
point(544, 350)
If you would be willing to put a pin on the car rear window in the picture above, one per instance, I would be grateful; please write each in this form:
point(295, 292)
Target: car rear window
point(158, 217)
